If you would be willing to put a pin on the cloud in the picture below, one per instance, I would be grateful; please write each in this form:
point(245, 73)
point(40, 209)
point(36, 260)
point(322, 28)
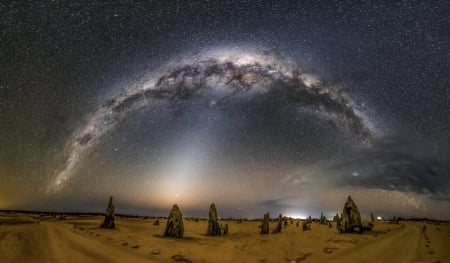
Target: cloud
point(393, 164)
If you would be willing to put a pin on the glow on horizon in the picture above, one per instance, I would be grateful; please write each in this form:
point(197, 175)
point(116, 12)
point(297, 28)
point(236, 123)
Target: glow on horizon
point(296, 216)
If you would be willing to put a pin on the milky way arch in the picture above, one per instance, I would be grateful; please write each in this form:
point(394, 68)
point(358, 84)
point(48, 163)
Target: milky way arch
point(229, 74)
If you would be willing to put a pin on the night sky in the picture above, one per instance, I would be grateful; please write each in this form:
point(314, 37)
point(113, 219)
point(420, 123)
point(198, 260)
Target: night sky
point(259, 106)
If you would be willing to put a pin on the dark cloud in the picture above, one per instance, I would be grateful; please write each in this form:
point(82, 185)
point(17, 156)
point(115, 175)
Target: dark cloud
point(395, 164)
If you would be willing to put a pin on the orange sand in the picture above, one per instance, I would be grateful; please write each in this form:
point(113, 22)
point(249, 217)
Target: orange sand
point(27, 238)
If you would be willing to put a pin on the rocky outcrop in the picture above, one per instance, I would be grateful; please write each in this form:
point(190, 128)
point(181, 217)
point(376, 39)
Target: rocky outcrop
point(279, 225)
point(350, 221)
point(323, 219)
point(225, 229)
point(336, 218)
point(265, 224)
point(213, 222)
point(108, 222)
point(306, 224)
point(174, 225)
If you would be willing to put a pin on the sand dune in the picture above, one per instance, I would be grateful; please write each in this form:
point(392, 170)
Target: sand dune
point(25, 238)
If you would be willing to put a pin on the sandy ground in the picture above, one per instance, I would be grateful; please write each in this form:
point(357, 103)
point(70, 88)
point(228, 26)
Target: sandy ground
point(28, 238)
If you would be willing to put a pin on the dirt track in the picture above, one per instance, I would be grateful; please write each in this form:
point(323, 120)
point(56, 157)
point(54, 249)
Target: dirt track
point(58, 242)
point(402, 245)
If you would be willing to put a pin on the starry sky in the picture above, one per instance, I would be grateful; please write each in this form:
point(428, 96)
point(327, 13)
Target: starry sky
point(258, 106)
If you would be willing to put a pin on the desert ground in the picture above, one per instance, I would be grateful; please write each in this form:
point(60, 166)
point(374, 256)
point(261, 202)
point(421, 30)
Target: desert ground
point(35, 238)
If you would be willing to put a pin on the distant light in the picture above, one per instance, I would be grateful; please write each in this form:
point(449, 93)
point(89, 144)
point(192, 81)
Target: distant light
point(379, 218)
point(355, 174)
point(296, 216)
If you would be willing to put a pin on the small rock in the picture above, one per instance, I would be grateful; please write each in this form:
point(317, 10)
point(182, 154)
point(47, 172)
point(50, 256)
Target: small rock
point(328, 250)
point(178, 258)
point(125, 244)
point(135, 246)
point(156, 252)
